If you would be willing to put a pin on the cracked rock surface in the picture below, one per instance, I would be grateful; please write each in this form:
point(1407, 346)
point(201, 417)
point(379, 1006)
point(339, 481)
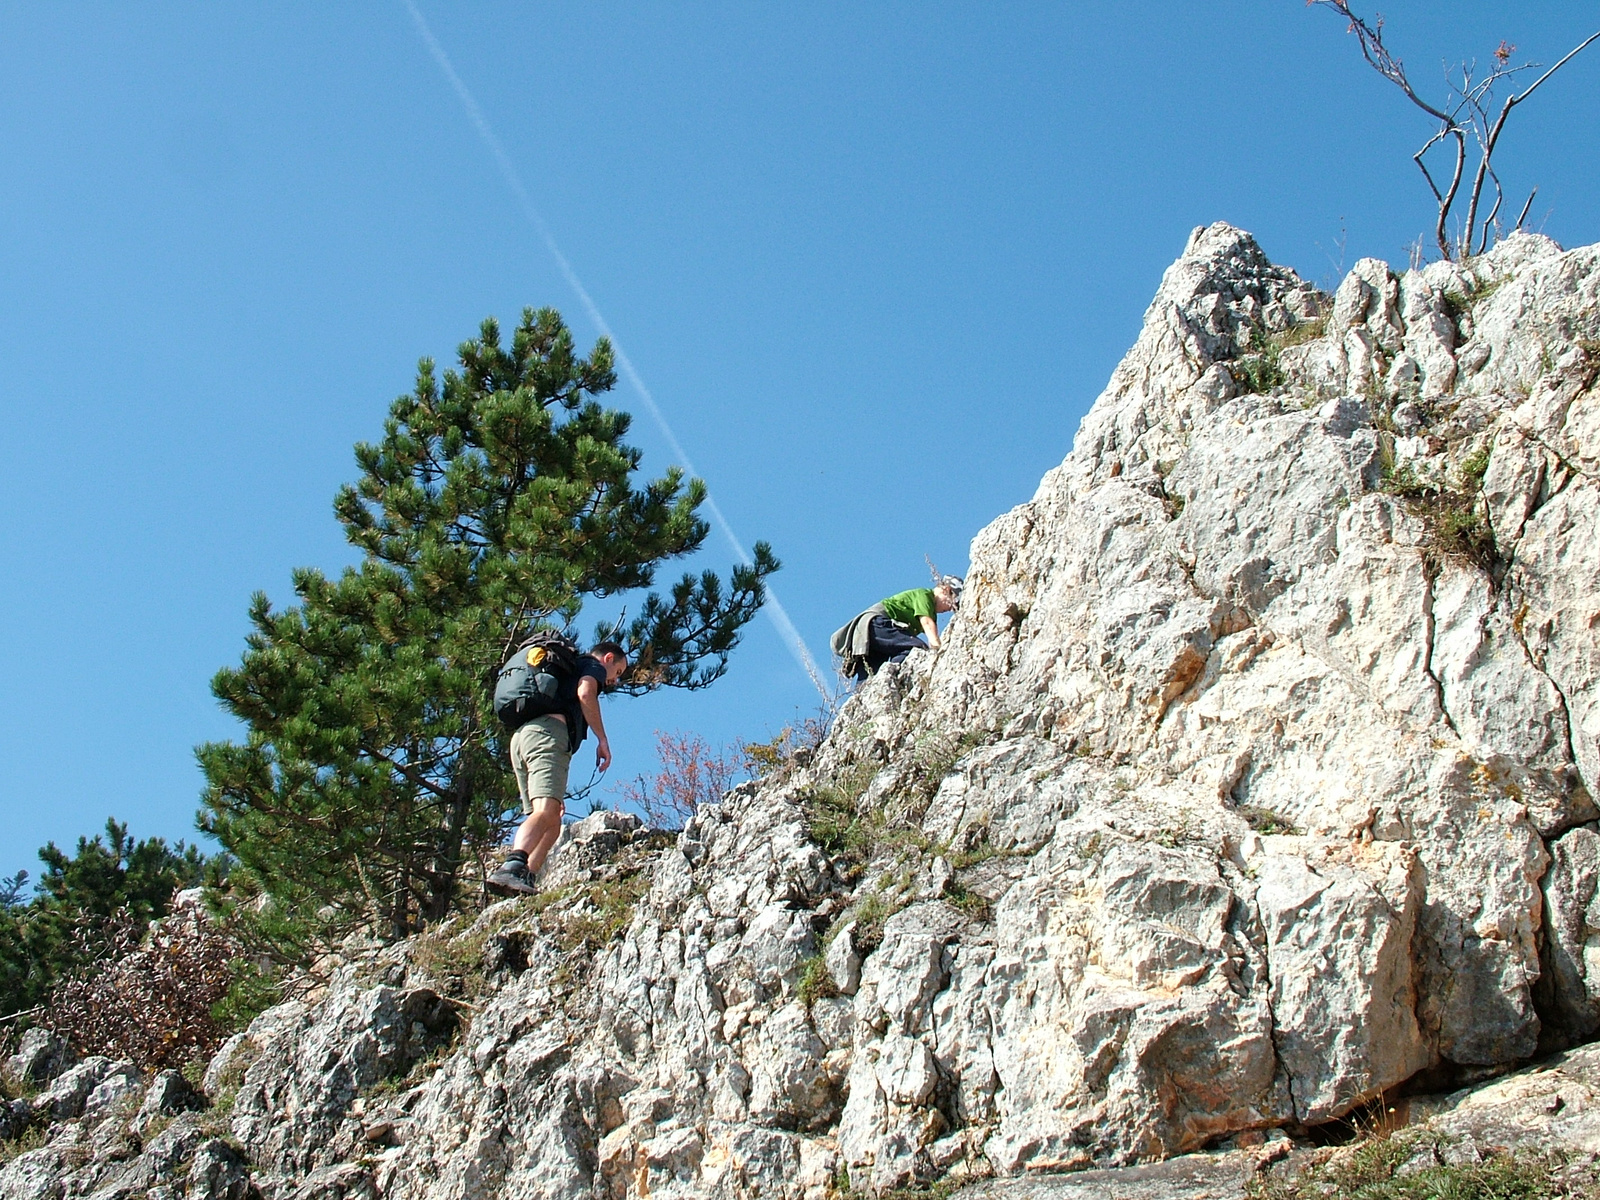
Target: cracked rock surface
point(1254, 779)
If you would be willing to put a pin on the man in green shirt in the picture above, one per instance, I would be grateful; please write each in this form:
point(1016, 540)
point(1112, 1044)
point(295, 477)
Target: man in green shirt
point(890, 629)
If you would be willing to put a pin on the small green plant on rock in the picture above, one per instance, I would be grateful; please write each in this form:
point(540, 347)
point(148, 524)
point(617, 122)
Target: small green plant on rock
point(1259, 371)
point(1302, 332)
point(815, 982)
point(456, 960)
point(938, 1189)
point(933, 757)
point(1457, 524)
point(981, 852)
point(1379, 1169)
point(870, 914)
point(30, 1138)
point(834, 822)
point(969, 903)
point(1264, 820)
point(605, 910)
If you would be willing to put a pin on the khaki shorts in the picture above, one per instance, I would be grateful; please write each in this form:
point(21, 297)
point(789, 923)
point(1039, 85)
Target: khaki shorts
point(540, 759)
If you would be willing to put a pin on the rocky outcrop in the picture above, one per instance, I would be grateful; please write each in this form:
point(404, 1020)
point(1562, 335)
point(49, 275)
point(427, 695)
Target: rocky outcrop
point(1254, 781)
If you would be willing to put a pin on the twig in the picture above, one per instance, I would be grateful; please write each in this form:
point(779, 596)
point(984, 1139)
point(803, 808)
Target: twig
point(1523, 215)
point(27, 1012)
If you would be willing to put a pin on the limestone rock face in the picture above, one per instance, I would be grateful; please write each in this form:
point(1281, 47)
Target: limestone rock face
point(1254, 779)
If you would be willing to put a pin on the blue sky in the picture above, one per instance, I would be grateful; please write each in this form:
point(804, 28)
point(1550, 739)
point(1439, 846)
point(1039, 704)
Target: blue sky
point(874, 261)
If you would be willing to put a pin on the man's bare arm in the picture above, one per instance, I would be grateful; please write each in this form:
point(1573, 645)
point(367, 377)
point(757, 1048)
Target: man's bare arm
point(589, 702)
point(931, 628)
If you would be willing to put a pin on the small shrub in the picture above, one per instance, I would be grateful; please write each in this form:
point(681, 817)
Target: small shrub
point(834, 822)
point(216, 1118)
point(1404, 481)
point(870, 914)
point(932, 759)
point(691, 774)
point(983, 851)
point(456, 959)
point(778, 753)
point(30, 1138)
point(1473, 468)
point(1259, 371)
point(1302, 332)
point(833, 813)
point(1185, 832)
point(156, 998)
point(938, 1189)
point(815, 982)
point(605, 910)
point(971, 905)
point(1454, 516)
point(1264, 820)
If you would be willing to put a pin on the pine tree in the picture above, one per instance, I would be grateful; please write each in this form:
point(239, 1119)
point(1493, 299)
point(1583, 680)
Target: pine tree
point(374, 768)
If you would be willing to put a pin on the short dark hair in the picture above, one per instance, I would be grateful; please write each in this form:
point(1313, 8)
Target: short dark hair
point(600, 648)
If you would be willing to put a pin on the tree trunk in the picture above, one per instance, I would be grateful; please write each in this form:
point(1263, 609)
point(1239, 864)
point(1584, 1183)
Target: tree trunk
point(447, 858)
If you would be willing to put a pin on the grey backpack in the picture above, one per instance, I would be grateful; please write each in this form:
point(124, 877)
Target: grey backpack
point(534, 682)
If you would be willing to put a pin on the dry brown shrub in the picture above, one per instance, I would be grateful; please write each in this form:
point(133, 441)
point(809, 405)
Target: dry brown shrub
point(149, 996)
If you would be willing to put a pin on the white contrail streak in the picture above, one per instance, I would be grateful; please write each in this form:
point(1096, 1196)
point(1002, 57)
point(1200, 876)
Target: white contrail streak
point(773, 608)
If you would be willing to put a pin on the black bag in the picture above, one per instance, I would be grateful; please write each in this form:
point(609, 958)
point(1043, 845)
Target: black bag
point(536, 679)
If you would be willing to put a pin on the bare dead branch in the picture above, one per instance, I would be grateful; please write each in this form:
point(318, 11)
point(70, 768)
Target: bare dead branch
point(1468, 115)
point(1570, 55)
point(1489, 220)
point(1523, 215)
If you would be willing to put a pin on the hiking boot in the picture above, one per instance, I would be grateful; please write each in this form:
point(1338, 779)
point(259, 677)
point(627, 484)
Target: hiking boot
point(512, 879)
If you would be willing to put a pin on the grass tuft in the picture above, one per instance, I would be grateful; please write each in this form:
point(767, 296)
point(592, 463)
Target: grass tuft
point(815, 982)
point(1455, 517)
point(1381, 1168)
point(1259, 372)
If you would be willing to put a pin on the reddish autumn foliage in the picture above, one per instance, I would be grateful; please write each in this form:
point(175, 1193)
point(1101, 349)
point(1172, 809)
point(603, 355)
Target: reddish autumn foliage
point(149, 997)
point(691, 774)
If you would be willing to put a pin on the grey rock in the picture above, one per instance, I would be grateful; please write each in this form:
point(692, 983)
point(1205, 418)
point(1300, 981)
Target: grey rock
point(114, 1091)
point(41, 1056)
point(217, 1173)
point(168, 1095)
point(1240, 791)
point(1340, 922)
point(34, 1175)
point(1570, 983)
point(70, 1091)
point(843, 962)
point(169, 1149)
point(229, 1059)
point(14, 1118)
point(1187, 1177)
point(345, 1181)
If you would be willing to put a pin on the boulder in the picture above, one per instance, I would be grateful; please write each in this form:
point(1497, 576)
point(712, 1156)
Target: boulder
point(41, 1056)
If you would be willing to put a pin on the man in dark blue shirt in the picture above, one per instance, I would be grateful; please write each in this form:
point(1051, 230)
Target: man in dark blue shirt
point(541, 753)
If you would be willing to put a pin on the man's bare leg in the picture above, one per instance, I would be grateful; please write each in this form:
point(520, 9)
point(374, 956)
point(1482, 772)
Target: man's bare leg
point(538, 834)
